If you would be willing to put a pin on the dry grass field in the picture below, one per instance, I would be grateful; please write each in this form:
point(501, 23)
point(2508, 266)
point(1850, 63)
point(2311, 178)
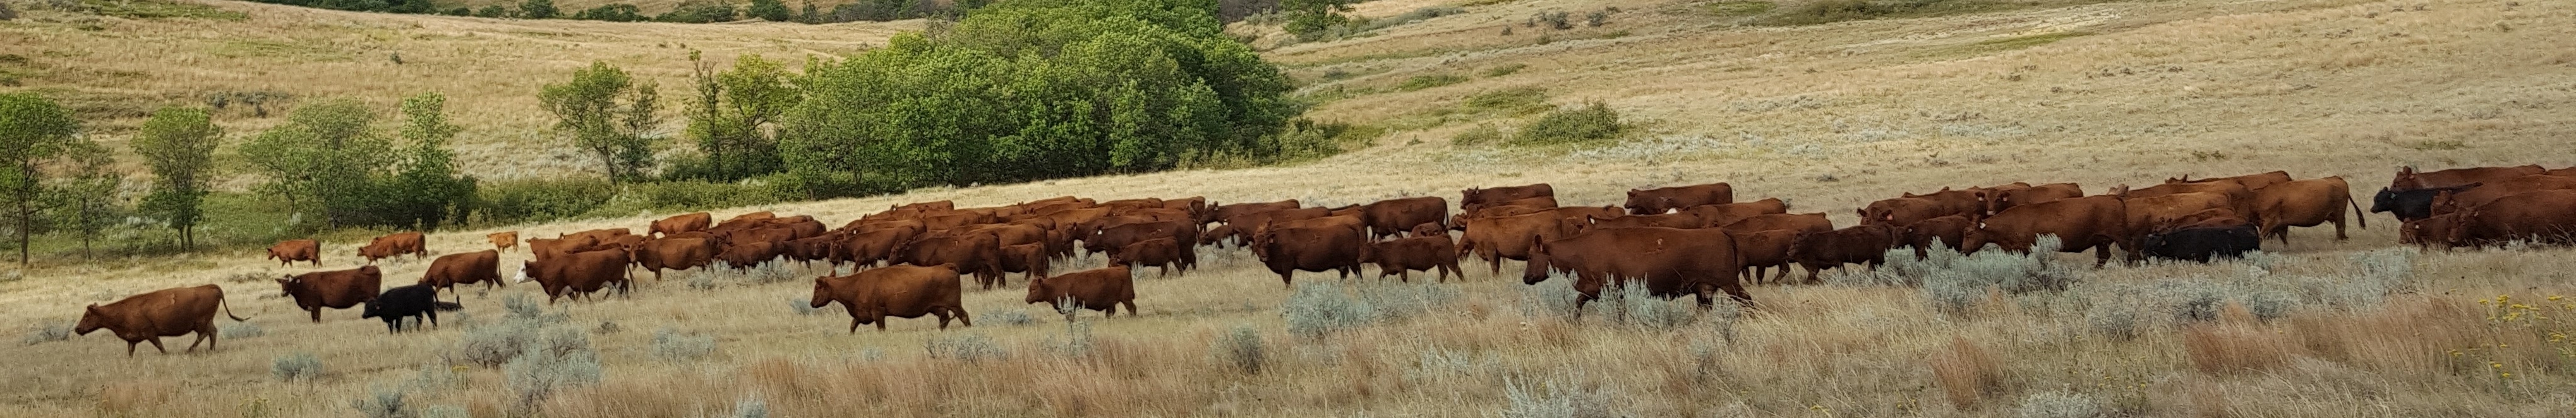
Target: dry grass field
point(1828, 116)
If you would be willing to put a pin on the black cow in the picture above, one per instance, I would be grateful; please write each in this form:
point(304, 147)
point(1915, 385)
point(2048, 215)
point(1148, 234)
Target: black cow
point(399, 303)
point(2202, 243)
point(2414, 204)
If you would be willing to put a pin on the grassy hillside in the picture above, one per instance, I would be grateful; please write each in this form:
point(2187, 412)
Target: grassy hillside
point(1829, 116)
point(115, 70)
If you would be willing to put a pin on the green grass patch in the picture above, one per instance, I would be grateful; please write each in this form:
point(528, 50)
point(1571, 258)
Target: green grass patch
point(1503, 103)
point(1484, 133)
point(1830, 11)
point(2006, 44)
point(1740, 8)
point(153, 9)
point(1516, 101)
point(1505, 69)
point(1429, 80)
point(247, 48)
point(1590, 122)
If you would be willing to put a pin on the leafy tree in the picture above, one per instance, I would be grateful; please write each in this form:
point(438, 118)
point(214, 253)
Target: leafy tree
point(731, 119)
point(327, 154)
point(84, 198)
point(178, 144)
point(607, 113)
point(1308, 16)
point(537, 9)
point(770, 10)
point(427, 189)
point(810, 15)
point(493, 11)
point(1035, 89)
point(34, 132)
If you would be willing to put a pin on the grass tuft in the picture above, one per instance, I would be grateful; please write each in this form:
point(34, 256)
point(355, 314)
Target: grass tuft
point(49, 332)
point(1966, 372)
point(1241, 348)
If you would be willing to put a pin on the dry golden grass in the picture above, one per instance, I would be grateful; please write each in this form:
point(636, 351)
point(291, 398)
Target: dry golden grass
point(1966, 372)
point(2316, 87)
point(2234, 348)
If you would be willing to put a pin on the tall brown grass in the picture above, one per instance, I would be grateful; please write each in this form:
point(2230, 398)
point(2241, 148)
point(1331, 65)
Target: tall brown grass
point(1966, 372)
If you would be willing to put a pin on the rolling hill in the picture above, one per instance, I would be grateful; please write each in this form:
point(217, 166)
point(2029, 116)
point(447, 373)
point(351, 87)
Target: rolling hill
point(1827, 115)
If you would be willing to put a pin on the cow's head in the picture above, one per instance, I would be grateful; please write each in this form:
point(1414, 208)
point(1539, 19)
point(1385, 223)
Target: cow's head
point(290, 284)
point(524, 268)
point(371, 309)
point(822, 292)
point(1539, 263)
point(91, 320)
point(1039, 291)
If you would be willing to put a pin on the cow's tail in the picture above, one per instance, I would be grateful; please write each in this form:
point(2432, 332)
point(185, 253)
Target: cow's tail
point(228, 306)
point(2357, 215)
point(449, 306)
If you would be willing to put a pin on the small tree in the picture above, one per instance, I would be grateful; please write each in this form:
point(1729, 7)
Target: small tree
point(810, 15)
point(608, 114)
point(34, 131)
point(731, 118)
point(178, 144)
point(428, 187)
point(770, 10)
point(538, 9)
point(85, 196)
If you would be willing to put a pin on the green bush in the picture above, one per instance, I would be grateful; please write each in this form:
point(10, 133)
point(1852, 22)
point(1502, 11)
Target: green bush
point(699, 11)
point(1594, 121)
point(1036, 89)
point(538, 9)
point(527, 201)
point(492, 11)
point(1505, 69)
point(770, 10)
point(1428, 81)
point(613, 12)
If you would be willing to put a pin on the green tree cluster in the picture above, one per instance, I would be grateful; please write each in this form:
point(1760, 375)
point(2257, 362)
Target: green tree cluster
point(328, 158)
point(1035, 89)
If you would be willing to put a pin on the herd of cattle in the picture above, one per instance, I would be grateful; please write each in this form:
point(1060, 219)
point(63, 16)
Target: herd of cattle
point(1689, 240)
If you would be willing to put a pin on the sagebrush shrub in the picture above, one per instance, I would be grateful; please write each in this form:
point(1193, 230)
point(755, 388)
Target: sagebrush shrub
point(968, 347)
point(671, 345)
point(299, 366)
point(232, 330)
point(382, 402)
point(560, 358)
point(2059, 404)
point(1242, 349)
point(49, 332)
